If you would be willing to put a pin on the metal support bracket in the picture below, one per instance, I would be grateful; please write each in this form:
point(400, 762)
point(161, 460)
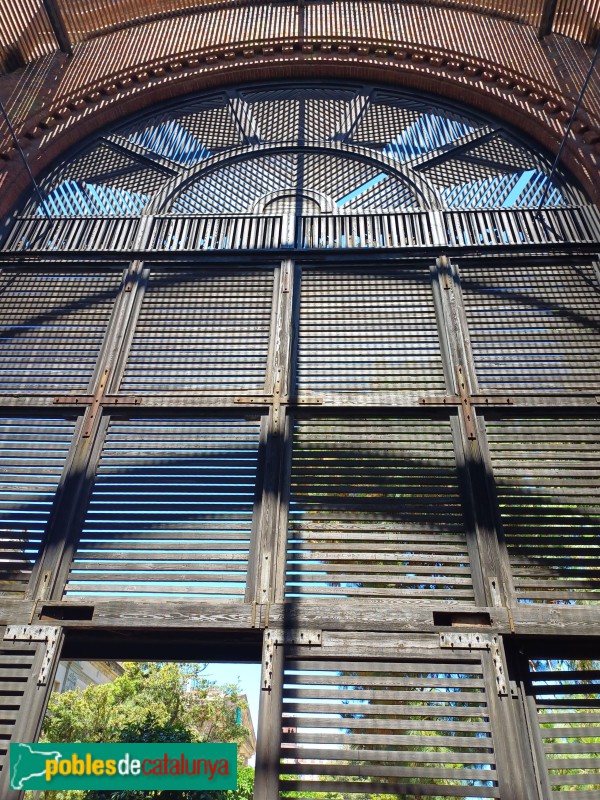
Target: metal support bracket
point(87, 431)
point(268, 400)
point(465, 404)
point(277, 399)
point(479, 641)
point(276, 638)
point(36, 633)
point(107, 400)
point(286, 272)
point(95, 402)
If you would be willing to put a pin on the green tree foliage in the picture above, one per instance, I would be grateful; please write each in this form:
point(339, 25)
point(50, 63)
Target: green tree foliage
point(150, 702)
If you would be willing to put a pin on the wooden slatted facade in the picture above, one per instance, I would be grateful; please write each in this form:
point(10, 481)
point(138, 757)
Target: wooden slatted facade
point(349, 435)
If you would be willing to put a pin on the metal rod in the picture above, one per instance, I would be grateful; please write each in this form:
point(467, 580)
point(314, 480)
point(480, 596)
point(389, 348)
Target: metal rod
point(568, 131)
point(24, 157)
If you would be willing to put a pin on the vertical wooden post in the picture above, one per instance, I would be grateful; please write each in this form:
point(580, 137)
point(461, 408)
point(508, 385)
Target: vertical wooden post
point(514, 762)
point(266, 783)
point(33, 701)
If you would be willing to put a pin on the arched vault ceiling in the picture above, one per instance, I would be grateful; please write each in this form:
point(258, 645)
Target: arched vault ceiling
point(493, 61)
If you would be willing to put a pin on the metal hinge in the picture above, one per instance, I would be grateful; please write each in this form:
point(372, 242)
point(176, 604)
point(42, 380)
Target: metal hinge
point(276, 638)
point(479, 641)
point(36, 633)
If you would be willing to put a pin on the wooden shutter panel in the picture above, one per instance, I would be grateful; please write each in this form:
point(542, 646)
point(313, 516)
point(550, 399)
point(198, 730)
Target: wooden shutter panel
point(53, 326)
point(375, 511)
point(171, 511)
point(202, 332)
point(33, 454)
point(565, 697)
point(23, 696)
point(533, 328)
point(368, 332)
point(547, 474)
point(412, 727)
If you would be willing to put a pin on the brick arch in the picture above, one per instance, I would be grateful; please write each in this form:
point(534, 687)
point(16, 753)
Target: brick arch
point(528, 105)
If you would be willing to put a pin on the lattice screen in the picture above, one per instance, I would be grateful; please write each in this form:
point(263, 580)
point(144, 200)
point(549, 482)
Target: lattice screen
point(361, 148)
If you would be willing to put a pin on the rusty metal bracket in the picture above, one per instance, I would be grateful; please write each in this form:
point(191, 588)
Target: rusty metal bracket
point(445, 400)
point(268, 400)
point(133, 276)
point(465, 404)
point(93, 409)
point(255, 399)
point(479, 641)
point(490, 400)
point(277, 638)
point(94, 402)
point(73, 400)
point(107, 400)
point(36, 633)
point(277, 399)
point(286, 271)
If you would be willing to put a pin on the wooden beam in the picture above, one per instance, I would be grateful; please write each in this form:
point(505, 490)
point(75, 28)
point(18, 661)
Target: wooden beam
point(547, 18)
point(58, 26)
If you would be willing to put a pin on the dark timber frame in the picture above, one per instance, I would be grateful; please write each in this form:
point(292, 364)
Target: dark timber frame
point(497, 620)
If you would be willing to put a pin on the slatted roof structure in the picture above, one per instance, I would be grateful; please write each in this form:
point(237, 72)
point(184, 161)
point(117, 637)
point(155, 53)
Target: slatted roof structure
point(38, 27)
point(307, 373)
